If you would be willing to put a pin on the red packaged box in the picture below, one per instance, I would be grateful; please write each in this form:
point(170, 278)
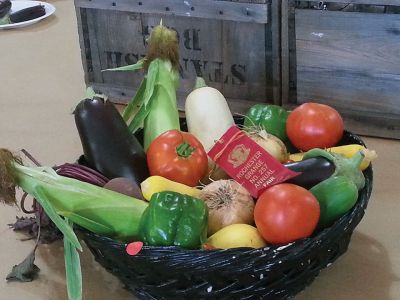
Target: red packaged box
point(247, 162)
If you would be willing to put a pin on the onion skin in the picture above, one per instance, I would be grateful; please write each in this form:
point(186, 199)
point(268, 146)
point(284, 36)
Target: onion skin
point(228, 203)
point(270, 143)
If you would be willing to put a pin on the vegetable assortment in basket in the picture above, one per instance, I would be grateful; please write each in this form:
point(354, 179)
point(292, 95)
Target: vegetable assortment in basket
point(218, 185)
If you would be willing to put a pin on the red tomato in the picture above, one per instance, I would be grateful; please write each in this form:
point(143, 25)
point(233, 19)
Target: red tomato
point(314, 125)
point(286, 212)
point(178, 156)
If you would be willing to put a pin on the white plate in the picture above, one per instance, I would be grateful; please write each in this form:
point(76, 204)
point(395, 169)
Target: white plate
point(18, 5)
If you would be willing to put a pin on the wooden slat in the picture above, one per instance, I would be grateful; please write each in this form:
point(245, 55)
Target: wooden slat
point(82, 33)
point(351, 61)
point(371, 2)
point(218, 10)
point(244, 54)
point(94, 49)
point(292, 52)
point(285, 51)
point(222, 52)
point(276, 49)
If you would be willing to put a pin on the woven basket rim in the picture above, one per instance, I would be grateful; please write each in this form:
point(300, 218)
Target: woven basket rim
point(344, 221)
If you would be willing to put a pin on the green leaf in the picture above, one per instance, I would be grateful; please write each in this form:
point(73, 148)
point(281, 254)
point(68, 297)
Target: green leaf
point(87, 223)
point(136, 102)
point(60, 223)
point(145, 108)
point(152, 77)
point(73, 270)
point(137, 121)
point(25, 271)
point(134, 67)
point(163, 113)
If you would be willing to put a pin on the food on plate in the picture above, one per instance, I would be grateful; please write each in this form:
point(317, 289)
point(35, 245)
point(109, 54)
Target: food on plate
point(22, 15)
point(5, 6)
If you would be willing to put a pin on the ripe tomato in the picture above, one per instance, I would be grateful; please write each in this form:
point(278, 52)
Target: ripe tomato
point(178, 156)
point(314, 125)
point(286, 212)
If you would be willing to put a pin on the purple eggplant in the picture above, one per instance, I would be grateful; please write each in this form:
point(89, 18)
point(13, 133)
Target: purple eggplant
point(313, 171)
point(27, 14)
point(108, 145)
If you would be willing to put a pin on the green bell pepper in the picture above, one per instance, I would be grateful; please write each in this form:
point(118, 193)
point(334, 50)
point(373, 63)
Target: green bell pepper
point(270, 117)
point(336, 195)
point(174, 219)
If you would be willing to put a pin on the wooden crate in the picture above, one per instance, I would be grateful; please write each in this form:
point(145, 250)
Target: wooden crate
point(234, 45)
point(348, 59)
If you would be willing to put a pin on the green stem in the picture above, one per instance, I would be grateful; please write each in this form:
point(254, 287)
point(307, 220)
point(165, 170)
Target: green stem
point(184, 150)
point(356, 159)
point(200, 83)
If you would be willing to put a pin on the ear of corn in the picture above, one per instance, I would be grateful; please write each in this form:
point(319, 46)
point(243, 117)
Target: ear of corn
point(97, 209)
point(156, 184)
point(348, 151)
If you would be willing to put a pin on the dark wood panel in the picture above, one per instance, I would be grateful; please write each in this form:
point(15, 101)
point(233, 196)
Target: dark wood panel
point(351, 61)
point(372, 2)
point(241, 59)
point(219, 10)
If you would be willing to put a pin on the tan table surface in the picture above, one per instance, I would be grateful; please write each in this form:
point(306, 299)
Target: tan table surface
point(41, 79)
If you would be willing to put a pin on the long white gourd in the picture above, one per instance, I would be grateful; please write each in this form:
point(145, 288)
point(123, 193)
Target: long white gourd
point(207, 114)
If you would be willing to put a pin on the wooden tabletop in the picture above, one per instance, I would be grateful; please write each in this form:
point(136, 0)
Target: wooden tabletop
point(42, 80)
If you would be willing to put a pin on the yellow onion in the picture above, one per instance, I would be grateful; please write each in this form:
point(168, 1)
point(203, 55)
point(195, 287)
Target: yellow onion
point(228, 203)
point(270, 143)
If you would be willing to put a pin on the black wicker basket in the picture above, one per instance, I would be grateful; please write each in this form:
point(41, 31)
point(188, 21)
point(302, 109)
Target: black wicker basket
point(275, 272)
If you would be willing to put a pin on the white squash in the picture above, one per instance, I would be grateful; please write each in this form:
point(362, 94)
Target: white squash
point(207, 114)
point(208, 117)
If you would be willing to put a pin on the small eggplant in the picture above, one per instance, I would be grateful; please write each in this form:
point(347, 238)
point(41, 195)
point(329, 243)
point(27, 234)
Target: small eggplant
point(313, 171)
point(108, 146)
point(5, 6)
point(27, 14)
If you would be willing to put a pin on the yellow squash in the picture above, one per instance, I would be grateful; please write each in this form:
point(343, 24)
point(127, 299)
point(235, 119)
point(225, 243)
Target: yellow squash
point(346, 150)
point(156, 184)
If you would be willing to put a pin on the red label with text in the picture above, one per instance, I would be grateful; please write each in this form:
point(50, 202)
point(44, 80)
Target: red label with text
point(247, 162)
